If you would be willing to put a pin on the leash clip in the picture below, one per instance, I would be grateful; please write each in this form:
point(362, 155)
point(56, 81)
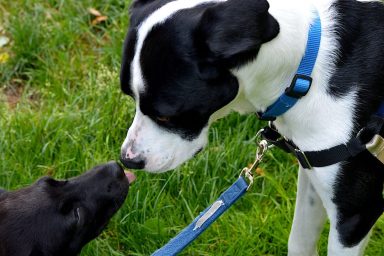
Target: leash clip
point(262, 148)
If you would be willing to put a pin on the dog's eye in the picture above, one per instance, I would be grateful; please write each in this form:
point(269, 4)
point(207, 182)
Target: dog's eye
point(163, 119)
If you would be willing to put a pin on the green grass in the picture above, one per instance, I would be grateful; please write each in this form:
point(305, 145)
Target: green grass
point(72, 116)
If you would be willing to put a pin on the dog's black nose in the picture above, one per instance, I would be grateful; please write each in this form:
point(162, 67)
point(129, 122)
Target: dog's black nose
point(116, 169)
point(134, 163)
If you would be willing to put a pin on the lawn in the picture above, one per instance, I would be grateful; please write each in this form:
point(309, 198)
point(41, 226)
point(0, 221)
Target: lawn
point(62, 112)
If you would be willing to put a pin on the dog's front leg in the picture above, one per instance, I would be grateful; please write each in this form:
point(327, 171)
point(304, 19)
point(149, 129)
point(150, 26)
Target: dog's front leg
point(351, 195)
point(308, 221)
point(336, 248)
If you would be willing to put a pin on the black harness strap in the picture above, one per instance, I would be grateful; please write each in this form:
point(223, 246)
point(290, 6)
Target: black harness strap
point(329, 156)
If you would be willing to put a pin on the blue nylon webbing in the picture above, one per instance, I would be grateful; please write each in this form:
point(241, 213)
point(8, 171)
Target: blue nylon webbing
point(190, 233)
point(285, 101)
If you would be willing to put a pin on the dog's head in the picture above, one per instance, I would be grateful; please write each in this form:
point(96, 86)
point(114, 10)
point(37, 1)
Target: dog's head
point(177, 64)
point(53, 217)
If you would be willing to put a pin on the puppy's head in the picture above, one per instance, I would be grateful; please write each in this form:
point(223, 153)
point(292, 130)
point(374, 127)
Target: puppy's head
point(54, 217)
point(177, 64)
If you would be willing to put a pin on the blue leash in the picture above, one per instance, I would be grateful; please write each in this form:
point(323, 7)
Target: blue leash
point(204, 220)
point(213, 212)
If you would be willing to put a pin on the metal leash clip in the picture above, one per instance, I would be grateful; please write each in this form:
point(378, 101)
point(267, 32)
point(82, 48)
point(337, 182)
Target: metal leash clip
point(262, 148)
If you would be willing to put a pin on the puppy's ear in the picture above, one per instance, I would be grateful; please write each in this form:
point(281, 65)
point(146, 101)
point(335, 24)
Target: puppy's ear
point(231, 33)
point(138, 3)
point(51, 182)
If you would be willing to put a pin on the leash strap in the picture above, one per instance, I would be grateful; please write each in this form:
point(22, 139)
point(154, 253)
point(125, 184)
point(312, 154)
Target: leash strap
point(302, 81)
point(368, 139)
point(204, 220)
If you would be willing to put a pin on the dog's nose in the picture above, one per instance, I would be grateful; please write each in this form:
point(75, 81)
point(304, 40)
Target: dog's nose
point(133, 163)
point(116, 169)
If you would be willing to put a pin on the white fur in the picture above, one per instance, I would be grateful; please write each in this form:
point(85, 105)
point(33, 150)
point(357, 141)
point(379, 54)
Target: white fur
point(162, 150)
point(308, 220)
point(318, 121)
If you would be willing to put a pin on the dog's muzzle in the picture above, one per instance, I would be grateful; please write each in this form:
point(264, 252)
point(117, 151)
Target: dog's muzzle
point(131, 159)
point(132, 163)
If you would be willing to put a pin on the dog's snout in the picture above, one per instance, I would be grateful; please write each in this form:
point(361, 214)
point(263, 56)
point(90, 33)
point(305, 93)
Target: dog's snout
point(117, 170)
point(133, 163)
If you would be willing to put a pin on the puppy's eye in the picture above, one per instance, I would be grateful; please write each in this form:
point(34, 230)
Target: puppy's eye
point(163, 119)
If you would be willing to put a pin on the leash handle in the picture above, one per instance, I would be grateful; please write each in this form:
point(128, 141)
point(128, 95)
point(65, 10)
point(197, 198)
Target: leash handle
point(204, 220)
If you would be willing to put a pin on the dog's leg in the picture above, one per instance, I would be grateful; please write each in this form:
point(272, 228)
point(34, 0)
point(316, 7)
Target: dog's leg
point(337, 248)
point(351, 193)
point(308, 221)
point(358, 202)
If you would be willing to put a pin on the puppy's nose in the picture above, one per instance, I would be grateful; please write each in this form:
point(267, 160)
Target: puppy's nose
point(116, 169)
point(133, 163)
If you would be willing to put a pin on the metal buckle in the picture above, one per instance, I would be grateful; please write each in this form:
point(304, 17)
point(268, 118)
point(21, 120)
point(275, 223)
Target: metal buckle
point(262, 148)
point(376, 147)
point(290, 91)
point(303, 159)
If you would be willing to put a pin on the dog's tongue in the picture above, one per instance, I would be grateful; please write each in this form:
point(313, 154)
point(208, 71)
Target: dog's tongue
point(131, 177)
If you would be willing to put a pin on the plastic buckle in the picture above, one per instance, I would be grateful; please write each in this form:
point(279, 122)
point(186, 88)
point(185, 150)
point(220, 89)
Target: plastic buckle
point(260, 115)
point(300, 155)
point(291, 90)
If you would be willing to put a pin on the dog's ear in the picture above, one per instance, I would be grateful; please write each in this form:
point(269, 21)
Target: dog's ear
point(51, 182)
point(138, 3)
point(231, 33)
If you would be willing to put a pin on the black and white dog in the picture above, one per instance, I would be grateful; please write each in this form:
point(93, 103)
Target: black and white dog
point(53, 218)
point(188, 63)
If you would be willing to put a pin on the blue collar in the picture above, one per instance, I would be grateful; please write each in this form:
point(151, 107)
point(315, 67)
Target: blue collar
point(302, 81)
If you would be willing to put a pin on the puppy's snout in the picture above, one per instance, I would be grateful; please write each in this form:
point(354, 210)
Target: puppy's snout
point(133, 163)
point(116, 170)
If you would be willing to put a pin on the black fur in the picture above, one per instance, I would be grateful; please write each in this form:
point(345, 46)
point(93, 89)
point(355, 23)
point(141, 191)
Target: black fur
point(137, 15)
point(186, 68)
point(360, 67)
point(54, 218)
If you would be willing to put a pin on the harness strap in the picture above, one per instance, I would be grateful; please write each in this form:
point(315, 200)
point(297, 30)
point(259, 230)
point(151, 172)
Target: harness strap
point(332, 155)
point(380, 112)
point(204, 220)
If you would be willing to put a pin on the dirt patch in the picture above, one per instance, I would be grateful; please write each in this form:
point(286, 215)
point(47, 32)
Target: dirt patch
point(13, 93)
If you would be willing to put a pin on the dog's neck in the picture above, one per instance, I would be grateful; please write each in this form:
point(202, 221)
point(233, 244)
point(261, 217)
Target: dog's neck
point(318, 121)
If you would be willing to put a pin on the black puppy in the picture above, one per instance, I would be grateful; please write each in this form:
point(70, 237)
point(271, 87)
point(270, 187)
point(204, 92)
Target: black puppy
point(53, 217)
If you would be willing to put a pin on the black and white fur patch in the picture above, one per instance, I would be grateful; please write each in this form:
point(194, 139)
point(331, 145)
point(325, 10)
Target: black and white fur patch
point(189, 62)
